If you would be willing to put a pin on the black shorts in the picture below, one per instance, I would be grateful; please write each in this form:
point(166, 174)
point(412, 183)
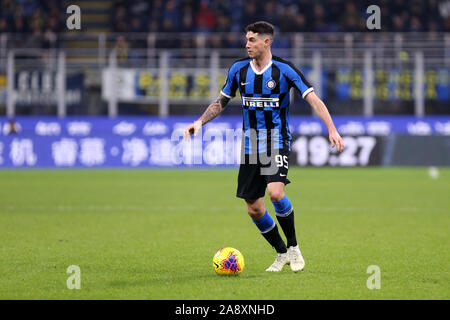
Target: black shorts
point(255, 175)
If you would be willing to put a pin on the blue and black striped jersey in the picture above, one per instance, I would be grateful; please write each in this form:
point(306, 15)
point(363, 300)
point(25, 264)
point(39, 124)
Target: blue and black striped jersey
point(265, 100)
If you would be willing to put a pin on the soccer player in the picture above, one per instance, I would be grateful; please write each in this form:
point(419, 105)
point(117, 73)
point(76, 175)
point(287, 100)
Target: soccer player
point(264, 82)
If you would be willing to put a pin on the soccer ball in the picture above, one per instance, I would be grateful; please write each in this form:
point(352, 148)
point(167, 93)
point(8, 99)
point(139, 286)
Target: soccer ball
point(228, 261)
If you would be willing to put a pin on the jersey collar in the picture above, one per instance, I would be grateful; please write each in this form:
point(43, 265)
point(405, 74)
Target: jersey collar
point(262, 71)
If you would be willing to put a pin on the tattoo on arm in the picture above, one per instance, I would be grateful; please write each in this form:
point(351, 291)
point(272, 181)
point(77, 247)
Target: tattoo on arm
point(214, 109)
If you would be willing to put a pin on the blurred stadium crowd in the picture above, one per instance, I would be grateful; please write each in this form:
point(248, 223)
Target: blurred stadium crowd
point(42, 20)
point(287, 15)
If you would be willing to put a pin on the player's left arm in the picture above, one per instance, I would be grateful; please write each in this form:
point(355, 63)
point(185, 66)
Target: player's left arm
point(321, 110)
point(298, 80)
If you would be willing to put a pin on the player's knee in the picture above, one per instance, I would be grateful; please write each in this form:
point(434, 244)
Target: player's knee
point(255, 209)
point(276, 195)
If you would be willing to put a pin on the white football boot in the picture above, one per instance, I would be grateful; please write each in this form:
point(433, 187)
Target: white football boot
point(280, 261)
point(295, 258)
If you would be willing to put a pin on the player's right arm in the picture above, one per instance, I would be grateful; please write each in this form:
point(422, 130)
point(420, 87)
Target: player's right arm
point(217, 106)
point(213, 110)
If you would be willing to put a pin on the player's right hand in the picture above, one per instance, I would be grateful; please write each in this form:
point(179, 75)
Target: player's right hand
point(192, 129)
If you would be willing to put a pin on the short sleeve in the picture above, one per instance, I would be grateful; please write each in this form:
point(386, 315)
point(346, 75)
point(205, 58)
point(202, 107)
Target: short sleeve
point(298, 81)
point(231, 84)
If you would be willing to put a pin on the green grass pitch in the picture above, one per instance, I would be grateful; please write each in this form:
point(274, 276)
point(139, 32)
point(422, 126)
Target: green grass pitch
point(151, 234)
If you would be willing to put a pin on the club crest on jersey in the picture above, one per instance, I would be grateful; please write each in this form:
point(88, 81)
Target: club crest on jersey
point(271, 84)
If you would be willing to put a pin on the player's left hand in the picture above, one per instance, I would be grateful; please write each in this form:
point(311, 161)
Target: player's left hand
point(336, 140)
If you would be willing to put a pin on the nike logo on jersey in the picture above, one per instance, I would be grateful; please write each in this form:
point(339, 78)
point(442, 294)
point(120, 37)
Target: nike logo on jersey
point(244, 83)
point(282, 175)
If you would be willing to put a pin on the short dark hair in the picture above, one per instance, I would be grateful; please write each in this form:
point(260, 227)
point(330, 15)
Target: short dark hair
point(261, 27)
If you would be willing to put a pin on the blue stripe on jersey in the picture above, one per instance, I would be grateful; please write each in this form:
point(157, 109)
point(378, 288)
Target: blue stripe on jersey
point(262, 131)
point(286, 99)
point(277, 141)
point(246, 133)
point(249, 82)
point(288, 130)
point(232, 82)
point(284, 85)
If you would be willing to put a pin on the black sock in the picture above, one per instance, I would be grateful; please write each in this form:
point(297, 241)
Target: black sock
point(287, 224)
point(275, 240)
